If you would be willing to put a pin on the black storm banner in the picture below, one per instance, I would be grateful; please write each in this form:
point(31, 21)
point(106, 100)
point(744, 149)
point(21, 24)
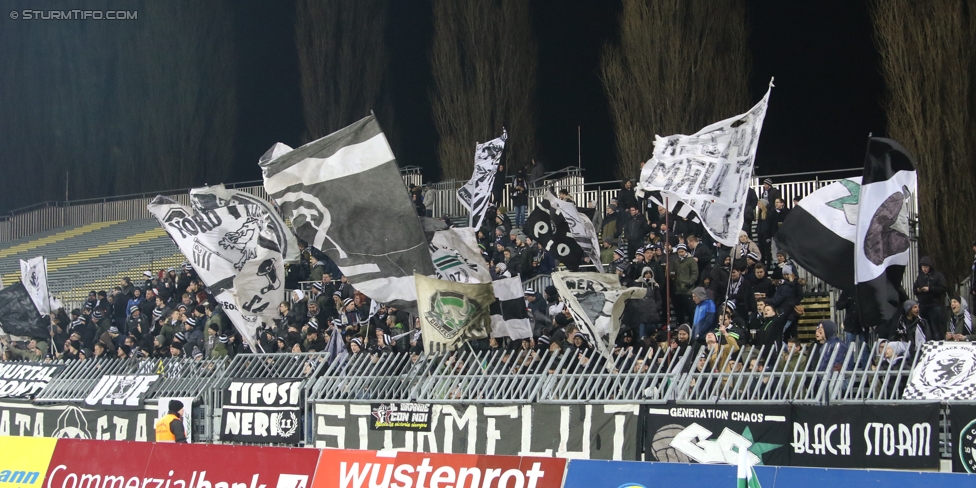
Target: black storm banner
point(710, 434)
point(263, 411)
point(866, 436)
point(24, 380)
point(400, 416)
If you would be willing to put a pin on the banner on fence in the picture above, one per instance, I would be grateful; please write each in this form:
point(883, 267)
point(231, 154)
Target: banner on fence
point(22, 380)
point(414, 417)
point(124, 464)
point(121, 390)
point(866, 436)
point(567, 431)
point(962, 418)
point(711, 434)
point(265, 411)
point(71, 421)
point(350, 469)
point(944, 371)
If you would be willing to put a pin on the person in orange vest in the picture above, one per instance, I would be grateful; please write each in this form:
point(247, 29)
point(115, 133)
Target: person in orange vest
point(170, 427)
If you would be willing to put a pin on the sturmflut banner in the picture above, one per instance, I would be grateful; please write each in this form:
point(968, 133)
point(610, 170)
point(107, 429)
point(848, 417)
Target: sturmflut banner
point(709, 170)
point(265, 411)
point(568, 431)
point(344, 196)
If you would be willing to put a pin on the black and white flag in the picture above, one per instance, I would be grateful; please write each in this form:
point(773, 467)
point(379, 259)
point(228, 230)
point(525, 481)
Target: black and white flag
point(883, 243)
point(819, 233)
point(263, 411)
point(33, 274)
point(554, 236)
point(255, 238)
point(580, 227)
point(509, 318)
point(709, 170)
point(456, 256)
point(945, 371)
point(344, 196)
point(235, 251)
point(596, 301)
point(19, 315)
point(476, 193)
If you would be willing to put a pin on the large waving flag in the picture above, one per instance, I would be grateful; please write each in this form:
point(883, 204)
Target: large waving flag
point(883, 239)
point(344, 196)
point(19, 315)
point(476, 193)
point(819, 233)
point(709, 170)
point(509, 318)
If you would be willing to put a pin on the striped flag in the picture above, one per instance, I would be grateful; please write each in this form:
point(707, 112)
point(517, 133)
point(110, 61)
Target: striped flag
point(344, 196)
point(509, 318)
point(746, 477)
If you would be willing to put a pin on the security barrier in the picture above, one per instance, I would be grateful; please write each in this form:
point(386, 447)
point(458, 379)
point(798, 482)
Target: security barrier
point(666, 405)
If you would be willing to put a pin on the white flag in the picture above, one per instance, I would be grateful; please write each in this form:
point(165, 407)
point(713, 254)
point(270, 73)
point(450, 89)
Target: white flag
point(235, 253)
point(596, 301)
point(709, 170)
point(33, 274)
point(476, 193)
point(581, 229)
point(456, 256)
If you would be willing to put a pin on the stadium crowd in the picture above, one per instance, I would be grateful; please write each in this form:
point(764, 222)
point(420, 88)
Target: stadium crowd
point(699, 294)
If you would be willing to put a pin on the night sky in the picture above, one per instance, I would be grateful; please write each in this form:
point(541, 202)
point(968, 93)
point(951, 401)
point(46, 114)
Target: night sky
point(828, 95)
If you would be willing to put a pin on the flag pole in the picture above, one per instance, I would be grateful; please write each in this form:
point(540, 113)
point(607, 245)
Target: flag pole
point(667, 274)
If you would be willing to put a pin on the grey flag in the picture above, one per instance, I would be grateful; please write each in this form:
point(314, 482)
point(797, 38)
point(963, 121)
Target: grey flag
point(344, 195)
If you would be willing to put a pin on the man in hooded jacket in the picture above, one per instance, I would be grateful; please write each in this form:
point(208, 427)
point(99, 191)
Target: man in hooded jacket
point(930, 291)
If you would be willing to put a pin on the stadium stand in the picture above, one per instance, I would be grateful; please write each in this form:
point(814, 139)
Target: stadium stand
point(92, 257)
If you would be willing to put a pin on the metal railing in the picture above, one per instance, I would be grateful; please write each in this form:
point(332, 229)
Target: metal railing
point(520, 376)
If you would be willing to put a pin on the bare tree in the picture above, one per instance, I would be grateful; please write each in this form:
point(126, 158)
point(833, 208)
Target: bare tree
point(680, 65)
point(929, 65)
point(119, 106)
point(343, 63)
point(177, 104)
point(484, 61)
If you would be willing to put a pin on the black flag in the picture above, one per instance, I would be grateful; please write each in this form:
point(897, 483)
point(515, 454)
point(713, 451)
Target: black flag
point(882, 246)
point(19, 315)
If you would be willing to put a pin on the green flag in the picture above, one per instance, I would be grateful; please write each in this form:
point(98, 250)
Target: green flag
point(747, 474)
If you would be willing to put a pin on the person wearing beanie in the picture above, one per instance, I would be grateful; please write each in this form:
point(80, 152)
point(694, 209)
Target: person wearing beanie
point(170, 428)
point(705, 317)
point(829, 344)
point(220, 347)
point(913, 328)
